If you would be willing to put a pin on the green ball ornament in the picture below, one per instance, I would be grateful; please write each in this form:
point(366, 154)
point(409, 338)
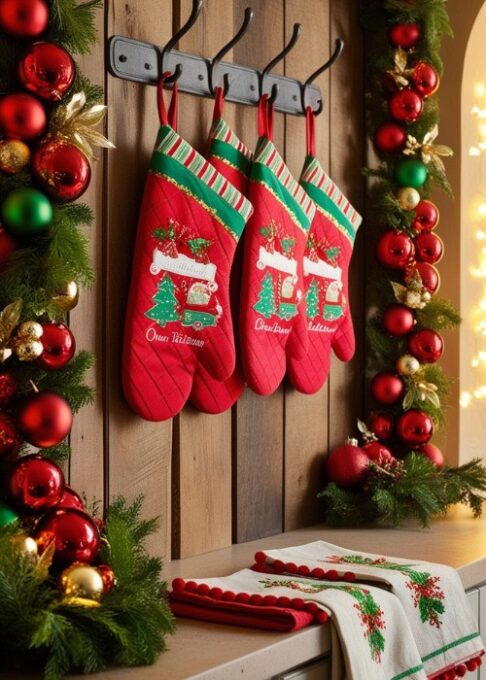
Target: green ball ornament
point(411, 173)
point(7, 515)
point(26, 212)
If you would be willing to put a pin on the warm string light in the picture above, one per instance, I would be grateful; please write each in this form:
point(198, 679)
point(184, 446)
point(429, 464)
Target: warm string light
point(479, 110)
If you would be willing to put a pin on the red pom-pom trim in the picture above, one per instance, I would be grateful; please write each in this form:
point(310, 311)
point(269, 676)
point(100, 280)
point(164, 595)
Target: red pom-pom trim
point(269, 600)
point(216, 593)
point(191, 587)
point(303, 570)
point(283, 601)
point(312, 607)
point(203, 589)
point(178, 585)
point(318, 573)
point(291, 568)
point(279, 566)
point(229, 596)
point(297, 603)
point(331, 575)
point(461, 670)
point(256, 600)
point(321, 617)
point(260, 557)
point(349, 576)
point(243, 597)
point(261, 568)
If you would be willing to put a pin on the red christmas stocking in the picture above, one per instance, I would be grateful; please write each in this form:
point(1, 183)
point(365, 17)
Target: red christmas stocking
point(273, 325)
point(326, 262)
point(232, 159)
point(178, 312)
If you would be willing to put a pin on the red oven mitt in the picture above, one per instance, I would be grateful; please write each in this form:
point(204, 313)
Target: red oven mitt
point(326, 262)
point(232, 159)
point(273, 325)
point(178, 313)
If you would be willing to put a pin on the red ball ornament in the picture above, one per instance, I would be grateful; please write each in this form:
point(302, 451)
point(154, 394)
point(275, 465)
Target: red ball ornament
point(108, 576)
point(425, 79)
point(433, 453)
point(427, 346)
point(390, 138)
point(23, 18)
point(405, 105)
point(45, 419)
point(347, 465)
point(426, 216)
point(47, 70)
point(35, 483)
point(10, 439)
point(61, 169)
point(429, 275)
point(387, 388)
point(378, 452)
point(7, 246)
point(381, 425)
point(415, 427)
point(21, 116)
point(8, 387)
point(70, 499)
point(76, 537)
point(59, 346)
point(428, 247)
point(398, 320)
point(404, 35)
point(394, 249)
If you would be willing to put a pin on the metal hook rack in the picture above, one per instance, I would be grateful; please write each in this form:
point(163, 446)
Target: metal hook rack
point(143, 62)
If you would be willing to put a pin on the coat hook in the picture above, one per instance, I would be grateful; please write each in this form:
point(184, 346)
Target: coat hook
point(249, 14)
point(335, 55)
point(196, 10)
point(295, 36)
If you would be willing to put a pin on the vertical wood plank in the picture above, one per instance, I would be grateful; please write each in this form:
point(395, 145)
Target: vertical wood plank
point(306, 426)
point(202, 452)
point(139, 451)
point(258, 422)
point(347, 145)
point(86, 471)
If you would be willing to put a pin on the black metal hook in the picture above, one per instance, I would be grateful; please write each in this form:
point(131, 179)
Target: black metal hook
point(196, 10)
point(335, 55)
point(295, 36)
point(249, 14)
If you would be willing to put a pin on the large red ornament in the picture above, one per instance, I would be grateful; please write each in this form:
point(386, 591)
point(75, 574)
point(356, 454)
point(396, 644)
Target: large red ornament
point(433, 453)
point(23, 18)
point(405, 105)
point(394, 249)
point(426, 345)
point(76, 537)
point(429, 275)
point(425, 79)
point(47, 70)
point(387, 388)
point(35, 483)
point(7, 247)
point(70, 499)
point(10, 439)
point(45, 419)
point(415, 427)
point(61, 169)
point(378, 452)
point(428, 247)
point(8, 387)
point(404, 35)
point(398, 320)
point(426, 216)
point(390, 138)
point(347, 465)
point(59, 346)
point(381, 425)
point(21, 116)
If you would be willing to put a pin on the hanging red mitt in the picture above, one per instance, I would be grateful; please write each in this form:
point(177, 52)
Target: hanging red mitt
point(178, 309)
point(232, 159)
point(326, 262)
point(273, 325)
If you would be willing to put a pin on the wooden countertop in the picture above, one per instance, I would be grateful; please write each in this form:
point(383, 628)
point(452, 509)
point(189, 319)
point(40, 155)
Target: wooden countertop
point(204, 651)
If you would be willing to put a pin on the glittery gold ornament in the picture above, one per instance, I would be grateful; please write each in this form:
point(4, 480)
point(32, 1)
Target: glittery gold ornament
point(407, 365)
point(81, 584)
point(30, 330)
point(68, 297)
point(26, 546)
point(408, 198)
point(27, 350)
point(14, 156)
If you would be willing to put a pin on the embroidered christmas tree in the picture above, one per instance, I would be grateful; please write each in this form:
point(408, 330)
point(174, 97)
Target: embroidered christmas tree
point(332, 254)
point(165, 309)
point(312, 300)
point(199, 248)
point(266, 301)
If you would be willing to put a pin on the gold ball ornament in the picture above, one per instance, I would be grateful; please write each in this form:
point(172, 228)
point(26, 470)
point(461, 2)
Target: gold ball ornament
point(27, 350)
point(14, 156)
point(30, 330)
point(81, 584)
point(407, 365)
point(408, 198)
point(26, 546)
point(68, 297)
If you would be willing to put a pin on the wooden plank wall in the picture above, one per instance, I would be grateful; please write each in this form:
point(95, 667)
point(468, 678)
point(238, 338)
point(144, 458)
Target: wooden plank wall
point(254, 471)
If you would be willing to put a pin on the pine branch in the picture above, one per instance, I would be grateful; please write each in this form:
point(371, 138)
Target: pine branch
point(73, 25)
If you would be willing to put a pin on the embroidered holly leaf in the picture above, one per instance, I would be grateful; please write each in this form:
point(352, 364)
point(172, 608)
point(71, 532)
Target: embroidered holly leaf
point(162, 234)
point(287, 244)
point(198, 246)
